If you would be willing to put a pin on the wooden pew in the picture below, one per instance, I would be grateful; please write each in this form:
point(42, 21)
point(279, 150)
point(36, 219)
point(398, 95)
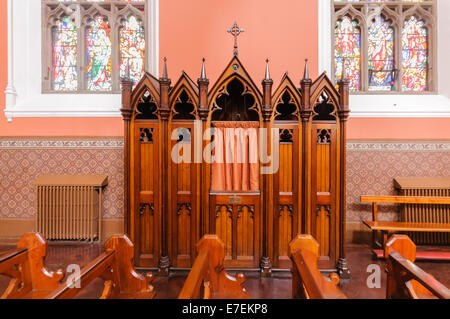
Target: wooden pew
point(307, 281)
point(385, 227)
point(208, 279)
point(30, 279)
point(115, 266)
point(405, 280)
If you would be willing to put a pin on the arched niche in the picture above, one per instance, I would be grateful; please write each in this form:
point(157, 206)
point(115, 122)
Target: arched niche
point(286, 101)
point(145, 99)
point(184, 99)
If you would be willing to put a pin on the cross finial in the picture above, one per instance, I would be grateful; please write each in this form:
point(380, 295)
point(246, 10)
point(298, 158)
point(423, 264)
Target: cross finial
point(235, 31)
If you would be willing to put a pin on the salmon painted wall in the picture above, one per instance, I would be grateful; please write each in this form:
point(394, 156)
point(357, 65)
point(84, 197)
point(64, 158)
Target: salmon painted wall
point(284, 31)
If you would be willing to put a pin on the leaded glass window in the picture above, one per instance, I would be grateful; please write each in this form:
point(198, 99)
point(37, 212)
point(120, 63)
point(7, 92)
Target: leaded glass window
point(385, 45)
point(88, 46)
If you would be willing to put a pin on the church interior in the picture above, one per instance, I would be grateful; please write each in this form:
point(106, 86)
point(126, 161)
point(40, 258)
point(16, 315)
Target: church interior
point(224, 149)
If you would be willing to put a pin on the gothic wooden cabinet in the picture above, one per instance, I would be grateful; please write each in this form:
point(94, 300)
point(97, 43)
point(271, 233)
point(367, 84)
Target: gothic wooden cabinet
point(255, 167)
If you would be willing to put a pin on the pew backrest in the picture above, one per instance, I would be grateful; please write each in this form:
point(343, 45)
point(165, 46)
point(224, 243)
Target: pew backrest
point(30, 278)
point(307, 281)
point(208, 278)
point(405, 279)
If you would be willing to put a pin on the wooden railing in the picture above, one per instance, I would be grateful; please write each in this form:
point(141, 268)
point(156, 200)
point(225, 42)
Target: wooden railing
point(307, 281)
point(208, 279)
point(30, 278)
point(405, 279)
point(115, 267)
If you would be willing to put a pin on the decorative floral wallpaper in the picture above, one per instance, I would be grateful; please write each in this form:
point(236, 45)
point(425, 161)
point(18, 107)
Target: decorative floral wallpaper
point(371, 167)
point(23, 161)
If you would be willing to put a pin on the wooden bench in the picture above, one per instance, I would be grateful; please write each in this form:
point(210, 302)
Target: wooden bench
point(30, 278)
point(115, 267)
point(307, 281)
point(385, 227)
point(405, 280)
point(208, 279)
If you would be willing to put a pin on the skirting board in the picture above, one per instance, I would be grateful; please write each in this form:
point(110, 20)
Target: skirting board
point(12, 229)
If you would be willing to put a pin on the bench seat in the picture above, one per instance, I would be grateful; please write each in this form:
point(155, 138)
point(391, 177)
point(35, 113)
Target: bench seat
point(408, 226)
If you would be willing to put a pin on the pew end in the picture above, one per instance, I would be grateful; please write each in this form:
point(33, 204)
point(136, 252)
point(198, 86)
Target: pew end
point(307, 281)
point(406, 280)
point(208, 278)
point(132, 283)
point(115, 267)
point(34, 280)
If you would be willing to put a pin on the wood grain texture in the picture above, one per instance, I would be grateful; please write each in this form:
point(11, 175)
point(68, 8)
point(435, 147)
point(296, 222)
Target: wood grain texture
point(208, 279)
point(30, 278)
point(307, 281)
point(114, 266)
point(305, 194)
point(405, 279)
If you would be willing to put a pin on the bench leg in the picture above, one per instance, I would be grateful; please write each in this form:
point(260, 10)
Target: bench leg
point(385, 239)
point(374, 239)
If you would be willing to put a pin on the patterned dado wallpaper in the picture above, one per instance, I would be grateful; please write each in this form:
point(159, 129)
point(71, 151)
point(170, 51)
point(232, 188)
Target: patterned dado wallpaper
point(23, 161)
point(371, 167)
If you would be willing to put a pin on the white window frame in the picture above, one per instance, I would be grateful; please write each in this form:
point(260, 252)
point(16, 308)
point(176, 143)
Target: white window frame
point(24, 96)
point(395, 105)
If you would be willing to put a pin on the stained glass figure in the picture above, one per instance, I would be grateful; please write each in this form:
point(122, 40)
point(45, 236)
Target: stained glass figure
point(132, 49)
point(98, 54)
point(347, 51)
point(414, 55)
point(64, 55)
point(381, 55)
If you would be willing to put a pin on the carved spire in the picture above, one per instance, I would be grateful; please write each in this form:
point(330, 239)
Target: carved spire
point(344, 71)
point(306, 73)
point(164, 75)
point(267, 70)
point(203, 75)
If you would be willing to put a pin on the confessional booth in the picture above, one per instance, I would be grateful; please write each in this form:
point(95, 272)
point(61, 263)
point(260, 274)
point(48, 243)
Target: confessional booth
point(252, 164)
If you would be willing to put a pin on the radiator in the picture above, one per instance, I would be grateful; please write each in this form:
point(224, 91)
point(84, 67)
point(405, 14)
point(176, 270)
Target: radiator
point(439, 187)
point(69, 207)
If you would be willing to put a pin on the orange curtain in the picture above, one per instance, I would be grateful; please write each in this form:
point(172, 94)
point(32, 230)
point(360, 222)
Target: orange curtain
point(235, 164)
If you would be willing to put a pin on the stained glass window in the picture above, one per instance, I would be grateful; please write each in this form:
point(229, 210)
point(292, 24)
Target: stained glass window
point(132, 49)
point(90, 47)
point(414, 55)
point(347, 51)
point(390, 51)
point(98, 54)
point(64, 53)
point(381, 55)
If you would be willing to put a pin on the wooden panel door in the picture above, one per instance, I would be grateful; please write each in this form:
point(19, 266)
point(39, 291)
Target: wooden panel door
point(286, 189)
point(145, 207)
point(184, 187)
point(236, 219)
point(324, 154)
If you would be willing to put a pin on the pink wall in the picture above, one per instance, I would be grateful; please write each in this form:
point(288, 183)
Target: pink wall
point(3, 59)
point(284, 31)
point(399, 129)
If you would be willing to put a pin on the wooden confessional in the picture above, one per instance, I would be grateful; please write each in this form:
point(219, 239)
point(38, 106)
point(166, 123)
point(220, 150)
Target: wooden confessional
point(171, 203)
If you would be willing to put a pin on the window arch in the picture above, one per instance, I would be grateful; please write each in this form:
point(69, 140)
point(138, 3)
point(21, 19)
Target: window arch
point(393, 41)
point(89, 46)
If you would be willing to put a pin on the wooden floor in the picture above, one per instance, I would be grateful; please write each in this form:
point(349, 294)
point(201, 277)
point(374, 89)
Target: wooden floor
point(277, 287)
